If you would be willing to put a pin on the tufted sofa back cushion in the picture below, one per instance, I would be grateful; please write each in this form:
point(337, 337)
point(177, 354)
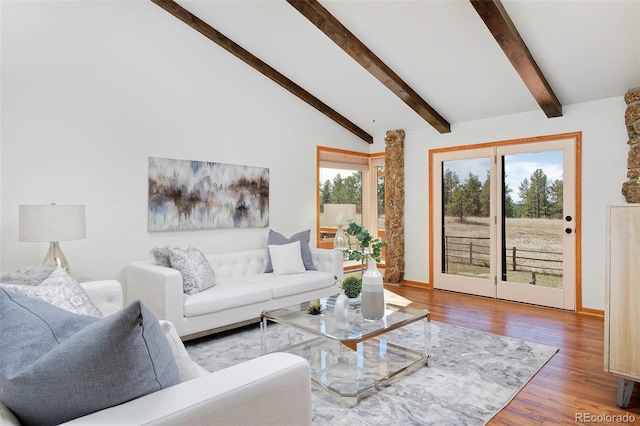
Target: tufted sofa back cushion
point(106, 295)
point(238, 264)
point(328, 263)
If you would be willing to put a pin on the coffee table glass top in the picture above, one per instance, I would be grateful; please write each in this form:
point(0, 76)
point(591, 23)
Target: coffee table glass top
point(354, 329)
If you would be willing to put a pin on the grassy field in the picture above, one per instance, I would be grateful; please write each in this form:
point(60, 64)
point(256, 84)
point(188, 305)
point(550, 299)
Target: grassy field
point(537, 242)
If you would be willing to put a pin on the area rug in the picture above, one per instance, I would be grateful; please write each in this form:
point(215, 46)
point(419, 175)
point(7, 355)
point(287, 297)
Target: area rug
point(473, 374)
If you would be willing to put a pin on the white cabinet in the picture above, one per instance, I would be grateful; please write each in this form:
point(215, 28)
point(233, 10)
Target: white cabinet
point(622, 298)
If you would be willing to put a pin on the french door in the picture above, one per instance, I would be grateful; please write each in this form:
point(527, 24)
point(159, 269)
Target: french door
point(504, 221)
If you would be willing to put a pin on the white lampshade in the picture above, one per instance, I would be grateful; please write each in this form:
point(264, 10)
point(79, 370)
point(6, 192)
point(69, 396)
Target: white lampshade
point(51, 223)
point(339, 214)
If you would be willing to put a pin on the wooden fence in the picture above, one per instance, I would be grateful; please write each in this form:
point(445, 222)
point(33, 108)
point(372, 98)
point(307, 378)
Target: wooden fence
point(476, 251)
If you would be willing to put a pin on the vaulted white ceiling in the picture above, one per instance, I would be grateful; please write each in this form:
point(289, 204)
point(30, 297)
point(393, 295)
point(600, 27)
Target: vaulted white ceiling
point(587, 50)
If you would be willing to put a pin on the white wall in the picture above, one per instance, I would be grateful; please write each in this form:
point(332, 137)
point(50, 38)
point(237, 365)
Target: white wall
point(90, 90)
point(604, 156)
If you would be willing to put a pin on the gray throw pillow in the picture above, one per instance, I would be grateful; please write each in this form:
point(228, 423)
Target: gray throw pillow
point(161, 256)
point(276, 238)
point(197, 274)
point(62, 365)
point(59, 289)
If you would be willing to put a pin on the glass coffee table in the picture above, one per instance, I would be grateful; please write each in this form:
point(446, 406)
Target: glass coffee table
point(351, 358)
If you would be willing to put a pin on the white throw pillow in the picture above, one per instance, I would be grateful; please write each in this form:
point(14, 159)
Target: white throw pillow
point(186, 367)
point(286, 259)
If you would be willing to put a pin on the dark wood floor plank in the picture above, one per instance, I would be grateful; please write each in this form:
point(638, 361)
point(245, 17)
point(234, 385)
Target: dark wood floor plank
point(572, 382)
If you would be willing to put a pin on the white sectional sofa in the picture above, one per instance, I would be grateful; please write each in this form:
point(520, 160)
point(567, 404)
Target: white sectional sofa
point(274, 389)
point(241, 292)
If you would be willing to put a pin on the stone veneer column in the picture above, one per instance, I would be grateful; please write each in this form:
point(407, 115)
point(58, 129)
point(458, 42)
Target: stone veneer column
point(394, 206)
point(631, 188)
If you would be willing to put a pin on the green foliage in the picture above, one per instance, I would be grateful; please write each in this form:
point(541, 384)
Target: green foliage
point(346, 190)
point(450, 182)
point(523, 191)
point(539, 197)
point(509, 209)
point(325, 193)
point(485, 196)
point(352, 286)
point(556, 198)
point(368, 245)
point(465, 199)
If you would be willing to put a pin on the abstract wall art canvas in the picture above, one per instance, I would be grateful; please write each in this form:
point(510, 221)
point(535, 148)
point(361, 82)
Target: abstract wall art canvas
point(187, 195)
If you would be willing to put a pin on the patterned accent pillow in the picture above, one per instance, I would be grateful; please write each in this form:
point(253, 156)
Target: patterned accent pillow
point(197, 274)
point(61, 290)
point(161, 256)
point(29, 275)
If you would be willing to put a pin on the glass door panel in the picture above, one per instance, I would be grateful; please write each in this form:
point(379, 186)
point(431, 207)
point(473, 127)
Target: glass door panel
point(537, 240)
point(466, 229)
point(533, 226)
point(463, 211)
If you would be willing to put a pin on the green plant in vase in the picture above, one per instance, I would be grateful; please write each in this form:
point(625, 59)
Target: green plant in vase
point(352, 286)
point(373, 306)
point(368, 246)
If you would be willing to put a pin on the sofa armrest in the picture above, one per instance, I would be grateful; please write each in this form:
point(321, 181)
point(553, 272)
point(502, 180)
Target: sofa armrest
point(327, 260)
point(106, 295)
point(159, 287)
point(274, 389)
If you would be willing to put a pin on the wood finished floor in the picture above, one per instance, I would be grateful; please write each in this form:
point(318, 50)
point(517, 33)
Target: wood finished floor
point(573, 381)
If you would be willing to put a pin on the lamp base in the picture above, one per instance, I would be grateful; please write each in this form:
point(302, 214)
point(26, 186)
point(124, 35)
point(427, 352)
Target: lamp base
point(341, 240)
point(56, 256)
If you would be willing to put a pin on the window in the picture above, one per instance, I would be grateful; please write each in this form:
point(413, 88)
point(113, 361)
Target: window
point(350, 187)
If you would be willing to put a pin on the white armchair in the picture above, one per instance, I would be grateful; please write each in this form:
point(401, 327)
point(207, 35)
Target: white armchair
point(274, 389)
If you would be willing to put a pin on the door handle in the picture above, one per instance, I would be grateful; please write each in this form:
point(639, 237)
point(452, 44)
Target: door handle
point(568, 230)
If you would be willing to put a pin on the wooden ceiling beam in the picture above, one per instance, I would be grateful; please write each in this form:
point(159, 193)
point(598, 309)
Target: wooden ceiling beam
point(239, 52)
point(332, 28)
point(504, 31)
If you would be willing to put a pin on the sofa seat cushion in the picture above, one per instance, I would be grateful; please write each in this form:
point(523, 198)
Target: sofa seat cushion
point(228, 293)
point(287, 285)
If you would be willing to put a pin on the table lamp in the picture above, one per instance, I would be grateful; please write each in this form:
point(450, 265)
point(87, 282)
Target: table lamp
point(339, 215)
point(52, 223)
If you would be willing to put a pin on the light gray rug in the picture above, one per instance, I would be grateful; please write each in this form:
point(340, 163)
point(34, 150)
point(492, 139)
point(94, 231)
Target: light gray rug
point(473, 375)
